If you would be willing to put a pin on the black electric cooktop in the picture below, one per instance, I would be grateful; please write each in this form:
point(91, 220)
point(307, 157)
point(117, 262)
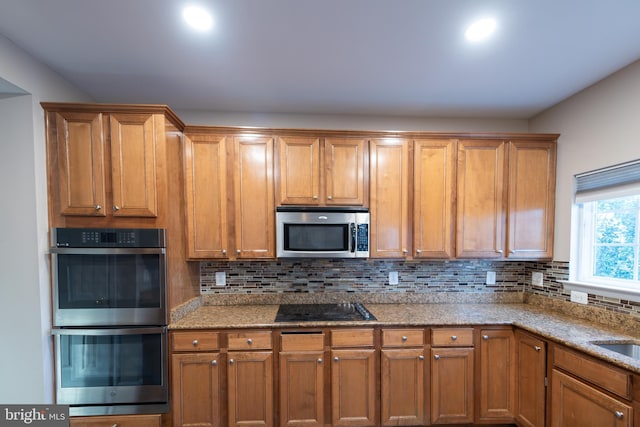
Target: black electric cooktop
point(322, 312)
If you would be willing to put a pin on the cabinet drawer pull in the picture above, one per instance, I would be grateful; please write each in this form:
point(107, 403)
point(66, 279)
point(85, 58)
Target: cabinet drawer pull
point(238, 251)
point(114, 425)
point(97, 207)
point(249, 341)
point(499, 251)
point(336, 359)
point(231, 361)
point(214, 362)
point(116, 208)
point(421, 357)
point(418, 251)
point(329, 197)
point(319, 360)
point(404, 251)
point(619, 415)
point(437, 356)
point(454, 337)
point(404, 338)
point(537, 348)
point(315, 197)
point(224, 252)
point(195, 343)
point(485, 337)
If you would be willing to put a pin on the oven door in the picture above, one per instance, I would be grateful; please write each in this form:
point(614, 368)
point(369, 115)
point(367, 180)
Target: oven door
point(108, 287)
point(102, 371)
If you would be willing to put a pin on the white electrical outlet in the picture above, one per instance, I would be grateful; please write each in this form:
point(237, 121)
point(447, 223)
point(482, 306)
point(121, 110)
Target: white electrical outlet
point(221, 278)
point(491, 278)
point(393, 277)
point(579, 297)
point(537, 278)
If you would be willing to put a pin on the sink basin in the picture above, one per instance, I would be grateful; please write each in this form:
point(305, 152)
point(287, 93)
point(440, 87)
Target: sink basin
point(626, 349)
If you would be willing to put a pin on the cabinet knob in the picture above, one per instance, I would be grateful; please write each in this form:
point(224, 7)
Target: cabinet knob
point(238, 251)
point(499, 251)
point(319, 360)
point(437, 356)
point(249, 341)
point(418, 251)
point(231, 361)
point(619, 415)
point(224, 252)
point(421, 357)
point(114, 425)
point(195, 343)
point(116, 208)
point(513, 251)
point(454, 337)
point(97, 207)
point(315, 197)
point(329, 197)
point(404, 338)
point(404, 251)
point(485, 337)
point(214, 362)
point(537, 348)
point(336, 359)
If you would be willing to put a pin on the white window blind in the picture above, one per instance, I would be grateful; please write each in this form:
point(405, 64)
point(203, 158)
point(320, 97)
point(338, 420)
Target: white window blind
point(608, 183)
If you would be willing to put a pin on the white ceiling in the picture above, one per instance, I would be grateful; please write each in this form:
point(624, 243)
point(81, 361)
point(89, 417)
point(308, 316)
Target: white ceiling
point(379, 57)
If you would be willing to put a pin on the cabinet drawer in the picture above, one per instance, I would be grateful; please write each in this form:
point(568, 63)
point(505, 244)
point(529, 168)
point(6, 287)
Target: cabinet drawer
point(195, 341)
point(118, 420)
point(402, 337)
point(608, 377)
point(452, 337)
point(302, 341)
point(249, 340)
point(352, 338)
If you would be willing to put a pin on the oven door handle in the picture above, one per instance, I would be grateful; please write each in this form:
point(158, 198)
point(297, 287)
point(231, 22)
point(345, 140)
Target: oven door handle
point(110, 331)
point(108, 251)
point(352, 231)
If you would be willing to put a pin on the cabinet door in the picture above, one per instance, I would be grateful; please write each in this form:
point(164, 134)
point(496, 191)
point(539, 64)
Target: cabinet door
point(81, 163)
point(532, 171)
point(345, 167)
point(480, 210)
point(353, 387)
point(497, 375)
point(574, 404)
point(302, 389)
point(254, 204)
point(531, 361)
point(206, 196)
point(389, 198)
point(299, 170)
point(147, 420)
point(403, 399)
point(451, 385)
point(250, 389)
point(133, 165)
point(195, 390)
point(433, 195)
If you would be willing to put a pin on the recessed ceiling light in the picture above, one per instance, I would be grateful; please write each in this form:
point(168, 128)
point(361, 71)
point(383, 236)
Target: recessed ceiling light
point(198, 18)
point(480, 30)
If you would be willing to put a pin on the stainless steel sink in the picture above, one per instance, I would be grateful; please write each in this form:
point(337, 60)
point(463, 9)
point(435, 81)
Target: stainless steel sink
point(624, 348)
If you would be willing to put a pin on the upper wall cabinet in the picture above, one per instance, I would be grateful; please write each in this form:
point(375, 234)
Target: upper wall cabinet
point(106, 164)
point(322, 171)
point(229, 196)
point(505, 199)
point(434, 177)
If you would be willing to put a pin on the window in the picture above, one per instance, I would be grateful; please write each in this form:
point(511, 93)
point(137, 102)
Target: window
point(607, 237)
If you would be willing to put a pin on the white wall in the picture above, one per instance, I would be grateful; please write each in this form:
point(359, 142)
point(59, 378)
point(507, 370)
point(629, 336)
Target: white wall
point(351, 122)
point(599, 127)
point(25, 359)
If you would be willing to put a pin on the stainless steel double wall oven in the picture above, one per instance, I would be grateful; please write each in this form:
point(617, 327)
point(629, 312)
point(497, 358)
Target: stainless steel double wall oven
point(110, 320)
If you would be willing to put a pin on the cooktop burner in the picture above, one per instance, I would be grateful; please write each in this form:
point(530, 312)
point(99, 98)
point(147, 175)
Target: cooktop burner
point(322, 312)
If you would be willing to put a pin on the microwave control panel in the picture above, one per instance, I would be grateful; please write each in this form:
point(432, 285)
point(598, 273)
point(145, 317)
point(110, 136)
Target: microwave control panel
point(363, 238)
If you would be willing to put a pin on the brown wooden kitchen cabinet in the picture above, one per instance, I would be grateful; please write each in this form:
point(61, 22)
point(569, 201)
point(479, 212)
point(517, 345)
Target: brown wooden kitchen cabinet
point(404, 378)
point(452, 376)
point(389, 198)
point(229, 192)
point(250, 390)
point(434, 177)
point(353, 378)
point(148, 420)
point(496, 375)
point(196, 379)
point(531, 375)
point(105, 161)
point(302, 368)
point(322, 171)
point(505, 195)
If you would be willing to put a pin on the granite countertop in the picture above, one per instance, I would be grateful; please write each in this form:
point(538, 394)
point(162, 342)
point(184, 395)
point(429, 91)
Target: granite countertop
point(574, 333)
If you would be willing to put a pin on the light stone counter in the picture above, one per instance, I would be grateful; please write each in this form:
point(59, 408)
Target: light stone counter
point(553, 326)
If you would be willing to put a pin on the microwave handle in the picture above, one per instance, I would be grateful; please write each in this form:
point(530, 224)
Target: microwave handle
point(352, 230)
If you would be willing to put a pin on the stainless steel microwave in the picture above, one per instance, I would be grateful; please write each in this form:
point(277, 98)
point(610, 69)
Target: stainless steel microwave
point(331, 232)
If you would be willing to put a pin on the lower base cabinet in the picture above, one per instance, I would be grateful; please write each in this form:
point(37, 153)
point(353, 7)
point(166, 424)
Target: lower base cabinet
point(496, 375)
point(196, 390)
point(531, 377)
point(452, 385)
point(250, 388)
point(150, 420)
